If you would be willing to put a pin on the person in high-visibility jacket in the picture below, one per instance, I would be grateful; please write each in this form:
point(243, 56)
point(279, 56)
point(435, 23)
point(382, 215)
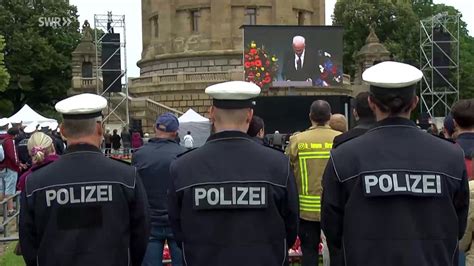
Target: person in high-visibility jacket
point(309, 154)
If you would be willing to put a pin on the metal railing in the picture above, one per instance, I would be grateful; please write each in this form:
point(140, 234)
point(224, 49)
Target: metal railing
point(8, 219)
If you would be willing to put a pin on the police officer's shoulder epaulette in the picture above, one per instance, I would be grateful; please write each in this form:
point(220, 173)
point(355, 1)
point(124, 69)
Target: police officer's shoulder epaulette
point(344, 140)
point(181, 154)
point(274, 148)
point(122, 161)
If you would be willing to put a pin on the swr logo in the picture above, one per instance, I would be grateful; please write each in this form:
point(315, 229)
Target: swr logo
point(54, 22)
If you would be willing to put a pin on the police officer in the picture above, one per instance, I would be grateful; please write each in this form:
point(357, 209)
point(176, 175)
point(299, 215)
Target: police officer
point(233, 201)
point(395, 195)
point(83, 209)
point(309, 153)
point(364, 116)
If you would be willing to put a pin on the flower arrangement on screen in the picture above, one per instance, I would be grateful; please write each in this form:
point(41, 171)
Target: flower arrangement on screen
point(260, 66)
point(330, 72)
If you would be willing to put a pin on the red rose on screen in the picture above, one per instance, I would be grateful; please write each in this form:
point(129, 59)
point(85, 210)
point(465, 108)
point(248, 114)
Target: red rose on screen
point(267, 79)
point(252, 63)
point(258, 63)
point(253, 51)
point(247, 64)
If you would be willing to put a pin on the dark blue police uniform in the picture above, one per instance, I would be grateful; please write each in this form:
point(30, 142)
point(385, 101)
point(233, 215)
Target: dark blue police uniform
point(233, 202)
point(84, 209)
point(395, 196)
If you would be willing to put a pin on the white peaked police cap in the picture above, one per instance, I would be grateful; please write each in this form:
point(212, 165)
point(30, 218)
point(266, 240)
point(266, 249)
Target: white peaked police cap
point(233, 94)
point(31, 128)
point(392, 75)
point(82, 106)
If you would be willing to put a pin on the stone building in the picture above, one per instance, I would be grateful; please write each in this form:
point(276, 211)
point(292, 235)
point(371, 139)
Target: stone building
point(190, 44)
point(84, 63)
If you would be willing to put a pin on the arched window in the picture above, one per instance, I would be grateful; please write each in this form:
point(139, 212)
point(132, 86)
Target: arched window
point(86, 69)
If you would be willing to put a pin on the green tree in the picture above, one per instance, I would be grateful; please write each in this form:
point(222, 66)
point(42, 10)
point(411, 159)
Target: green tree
point(4, 77)
point(38, 56)
point(396, 25)
point(398, 28)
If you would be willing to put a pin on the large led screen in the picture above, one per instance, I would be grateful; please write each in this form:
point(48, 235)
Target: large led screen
point(293, 56)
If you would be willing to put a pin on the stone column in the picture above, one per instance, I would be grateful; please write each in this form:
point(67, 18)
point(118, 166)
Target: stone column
point(319, 15)
point(221, 24)
point(146, 26)
point(283, 12)
point(167, 15)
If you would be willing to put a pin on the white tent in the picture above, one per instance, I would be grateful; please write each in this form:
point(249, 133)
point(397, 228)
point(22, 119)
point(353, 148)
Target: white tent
point(192, 116)
point(26, 115)
point(198, 125)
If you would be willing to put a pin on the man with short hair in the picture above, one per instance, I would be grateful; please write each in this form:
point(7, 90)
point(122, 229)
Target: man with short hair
point(364, 116)
point(309, 154)
point(463, 116)
point(301, 64)
point(83, 209)
point(257, 129)
point(395, 195)
point(153, 161)
point(233, 202)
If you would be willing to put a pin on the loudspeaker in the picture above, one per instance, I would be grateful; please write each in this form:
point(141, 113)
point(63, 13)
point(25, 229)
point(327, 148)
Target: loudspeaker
point(112, 69)
point(441, 62)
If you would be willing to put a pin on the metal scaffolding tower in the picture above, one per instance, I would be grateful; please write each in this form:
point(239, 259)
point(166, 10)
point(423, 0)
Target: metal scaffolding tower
point(439, 38)
point(112, 24)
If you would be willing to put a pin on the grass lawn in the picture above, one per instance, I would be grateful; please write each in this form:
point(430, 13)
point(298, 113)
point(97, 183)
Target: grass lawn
point(10, 259)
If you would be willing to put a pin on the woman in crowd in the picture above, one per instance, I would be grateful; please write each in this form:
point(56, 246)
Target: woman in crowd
point(41, 150)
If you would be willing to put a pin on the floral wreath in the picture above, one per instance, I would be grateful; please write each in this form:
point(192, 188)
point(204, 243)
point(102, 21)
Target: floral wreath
point(260, 67)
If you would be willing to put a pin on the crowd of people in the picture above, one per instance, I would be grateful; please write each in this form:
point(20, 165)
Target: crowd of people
point(22, 148)
point(384, 192)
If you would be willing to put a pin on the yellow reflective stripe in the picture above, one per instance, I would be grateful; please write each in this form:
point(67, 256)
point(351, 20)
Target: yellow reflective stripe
point(304, 176)
point(310, 203)
point(303, 153)
point(317, 157)
point(310, 209)
point(310, 196)
point(303, 157)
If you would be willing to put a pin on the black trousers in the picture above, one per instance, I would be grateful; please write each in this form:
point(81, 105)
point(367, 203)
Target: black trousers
point(310, 236)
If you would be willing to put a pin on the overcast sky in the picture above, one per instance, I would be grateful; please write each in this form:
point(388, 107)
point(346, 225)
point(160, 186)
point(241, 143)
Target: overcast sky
point(132, 11)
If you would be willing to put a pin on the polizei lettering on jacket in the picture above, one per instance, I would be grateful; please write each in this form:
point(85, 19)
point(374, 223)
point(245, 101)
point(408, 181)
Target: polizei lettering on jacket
point(402, 184)
point(230, 196)
point(82, 194)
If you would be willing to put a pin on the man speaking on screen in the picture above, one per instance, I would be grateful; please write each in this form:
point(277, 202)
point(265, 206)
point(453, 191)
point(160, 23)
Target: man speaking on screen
point(301, 64)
